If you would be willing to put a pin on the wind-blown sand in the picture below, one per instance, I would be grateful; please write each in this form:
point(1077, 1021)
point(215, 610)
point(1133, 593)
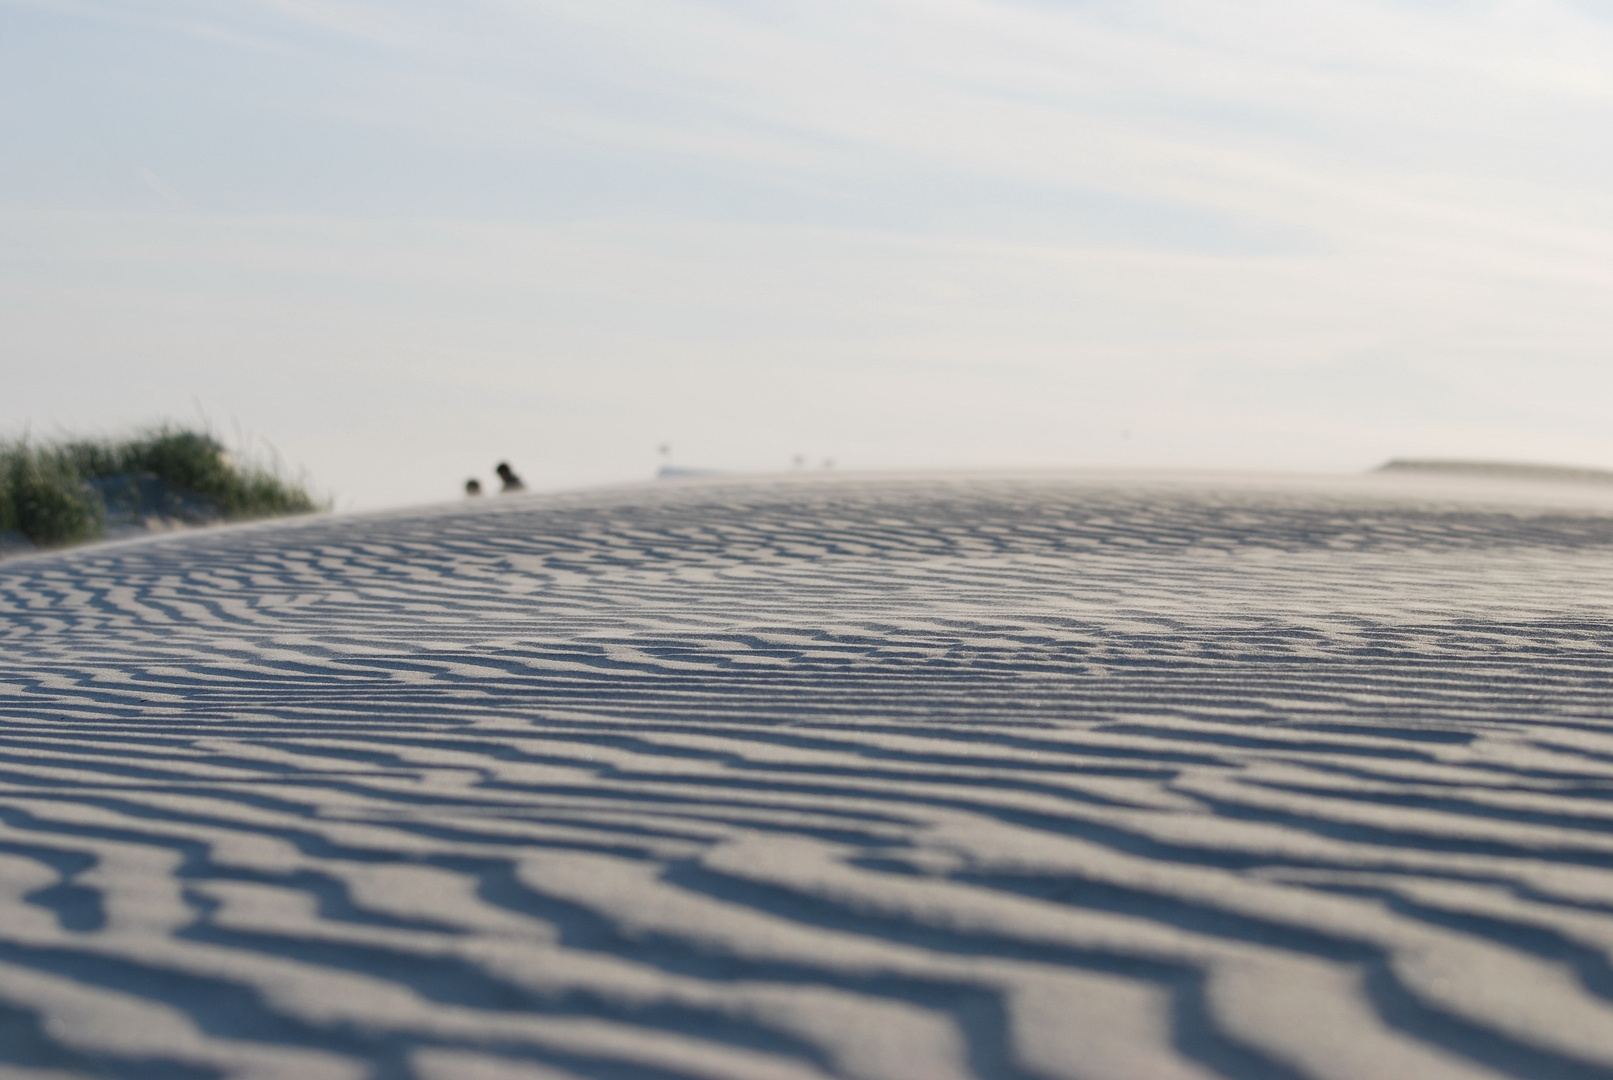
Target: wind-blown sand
point(1016, 776)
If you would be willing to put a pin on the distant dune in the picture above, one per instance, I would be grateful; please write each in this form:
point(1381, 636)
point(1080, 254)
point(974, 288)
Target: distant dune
point(1060, 776)
point(1500, 470)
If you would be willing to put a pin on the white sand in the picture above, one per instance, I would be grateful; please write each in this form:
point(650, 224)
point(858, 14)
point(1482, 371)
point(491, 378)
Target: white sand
point(1036, 776)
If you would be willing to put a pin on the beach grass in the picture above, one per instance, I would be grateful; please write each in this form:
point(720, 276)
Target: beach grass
point(47, 489)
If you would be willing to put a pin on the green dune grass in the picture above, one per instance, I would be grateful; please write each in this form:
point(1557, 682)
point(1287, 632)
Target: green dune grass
point(47, 490)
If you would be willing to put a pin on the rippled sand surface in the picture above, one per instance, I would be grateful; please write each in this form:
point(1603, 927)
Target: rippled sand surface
point(999, 776)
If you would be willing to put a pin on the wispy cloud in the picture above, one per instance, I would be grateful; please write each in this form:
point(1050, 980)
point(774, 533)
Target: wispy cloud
point(162, 189)
point(377, 24)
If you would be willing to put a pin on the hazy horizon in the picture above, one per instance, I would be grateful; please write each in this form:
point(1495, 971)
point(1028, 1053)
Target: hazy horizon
point(405, 242)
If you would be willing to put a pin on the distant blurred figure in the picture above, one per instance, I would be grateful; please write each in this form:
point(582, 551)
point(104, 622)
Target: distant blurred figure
point(473, 487)
point(512, 483)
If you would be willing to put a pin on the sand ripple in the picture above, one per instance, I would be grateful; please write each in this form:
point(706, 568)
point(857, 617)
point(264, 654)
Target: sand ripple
point(1015, 777)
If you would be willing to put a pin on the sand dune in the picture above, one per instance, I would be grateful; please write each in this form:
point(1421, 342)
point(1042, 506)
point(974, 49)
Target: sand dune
point(1016, 776)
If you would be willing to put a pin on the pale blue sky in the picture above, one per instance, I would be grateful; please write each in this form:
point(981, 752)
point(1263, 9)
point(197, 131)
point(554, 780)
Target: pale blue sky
point(405, 240)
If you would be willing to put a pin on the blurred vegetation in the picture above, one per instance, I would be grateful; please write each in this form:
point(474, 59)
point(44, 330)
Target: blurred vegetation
point(47, 494)
point(44, 499)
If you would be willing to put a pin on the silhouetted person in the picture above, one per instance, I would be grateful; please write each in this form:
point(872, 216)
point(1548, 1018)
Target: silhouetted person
point(512, 483)
point(473, 487)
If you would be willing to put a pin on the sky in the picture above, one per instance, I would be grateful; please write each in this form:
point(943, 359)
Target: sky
point(395, 243)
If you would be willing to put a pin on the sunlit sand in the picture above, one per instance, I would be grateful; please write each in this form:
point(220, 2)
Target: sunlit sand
point(1119, 776)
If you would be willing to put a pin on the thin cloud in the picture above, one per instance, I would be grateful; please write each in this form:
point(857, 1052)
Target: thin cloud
point(372, 23)
point(163, 189)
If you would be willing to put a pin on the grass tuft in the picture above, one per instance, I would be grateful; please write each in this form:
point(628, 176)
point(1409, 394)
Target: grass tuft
point(44, 499)
point(46, 490)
